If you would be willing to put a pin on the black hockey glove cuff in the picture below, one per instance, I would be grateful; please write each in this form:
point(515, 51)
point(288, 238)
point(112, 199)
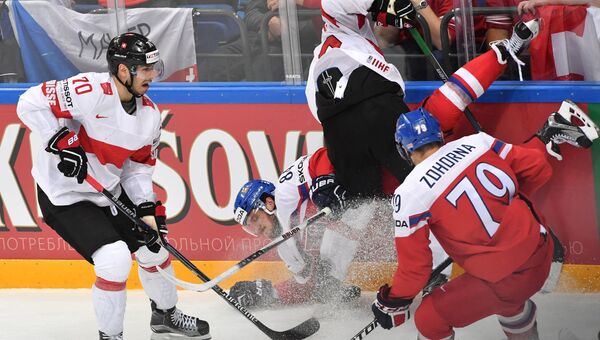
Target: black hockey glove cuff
point(326, 191)
point(73, 160)
point(151, 238)
point(398, 13)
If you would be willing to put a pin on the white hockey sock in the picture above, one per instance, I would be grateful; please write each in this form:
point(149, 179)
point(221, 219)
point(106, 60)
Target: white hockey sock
point(109, 304)
point(112, 263)
point(158, 289)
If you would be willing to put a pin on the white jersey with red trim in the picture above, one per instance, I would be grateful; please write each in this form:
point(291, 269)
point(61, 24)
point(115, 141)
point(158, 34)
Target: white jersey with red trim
point(120, 147)
point(293, 203)
point(347, 42)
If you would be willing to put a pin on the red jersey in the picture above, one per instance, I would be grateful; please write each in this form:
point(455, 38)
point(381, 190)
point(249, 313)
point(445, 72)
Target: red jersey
point(467, 195)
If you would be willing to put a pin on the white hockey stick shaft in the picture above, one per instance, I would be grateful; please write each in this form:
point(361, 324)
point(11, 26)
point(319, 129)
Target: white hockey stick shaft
point(202, 287)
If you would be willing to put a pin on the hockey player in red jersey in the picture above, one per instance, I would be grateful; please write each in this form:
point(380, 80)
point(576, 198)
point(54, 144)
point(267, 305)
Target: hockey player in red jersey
point(471, 194)
point(102, 123)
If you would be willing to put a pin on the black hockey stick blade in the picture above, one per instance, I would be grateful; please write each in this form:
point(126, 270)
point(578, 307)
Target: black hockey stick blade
point(302, 331)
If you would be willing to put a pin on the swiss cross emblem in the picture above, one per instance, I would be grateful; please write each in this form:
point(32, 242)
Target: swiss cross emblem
point(123, 44)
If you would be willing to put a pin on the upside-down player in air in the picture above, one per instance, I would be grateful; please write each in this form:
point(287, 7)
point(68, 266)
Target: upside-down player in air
point(471, 194)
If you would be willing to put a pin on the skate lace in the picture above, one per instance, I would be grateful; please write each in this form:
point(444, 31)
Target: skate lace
point(513, 45)
point(183, 321)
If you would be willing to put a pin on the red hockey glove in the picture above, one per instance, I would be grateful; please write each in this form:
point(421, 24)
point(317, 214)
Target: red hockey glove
point(73, 161)
point(154, 215)
point(390, 312)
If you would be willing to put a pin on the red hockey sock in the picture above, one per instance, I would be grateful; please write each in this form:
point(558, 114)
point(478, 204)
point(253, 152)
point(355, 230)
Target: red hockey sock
point(463, 87)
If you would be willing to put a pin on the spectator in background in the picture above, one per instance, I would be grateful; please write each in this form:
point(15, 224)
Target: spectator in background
point(229, 69)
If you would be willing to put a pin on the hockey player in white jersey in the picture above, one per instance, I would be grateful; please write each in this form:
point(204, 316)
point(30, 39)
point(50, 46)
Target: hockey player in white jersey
point(103, 124)
point(267, 209)
point(357, 95)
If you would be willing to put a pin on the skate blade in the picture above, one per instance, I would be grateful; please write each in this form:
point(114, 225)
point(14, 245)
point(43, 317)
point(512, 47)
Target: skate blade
point(171, 336)
point(568, 110)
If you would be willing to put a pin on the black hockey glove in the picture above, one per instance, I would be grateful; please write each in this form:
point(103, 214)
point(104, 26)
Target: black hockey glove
point(259, 293)
point(390, 312)
point(150, 238)
point(73, 161)
point(325, 191)
point(399, 13)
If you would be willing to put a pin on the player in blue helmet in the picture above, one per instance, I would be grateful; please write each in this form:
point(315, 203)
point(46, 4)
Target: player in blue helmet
point(254, 209)
point(415, 129)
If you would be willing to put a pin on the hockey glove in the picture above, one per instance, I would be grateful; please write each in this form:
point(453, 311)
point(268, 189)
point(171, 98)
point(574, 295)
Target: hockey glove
point(399, 13)
point(390, 312)
point(73, 161)
point(259, 293)
point(325, 191)
point(154, 215)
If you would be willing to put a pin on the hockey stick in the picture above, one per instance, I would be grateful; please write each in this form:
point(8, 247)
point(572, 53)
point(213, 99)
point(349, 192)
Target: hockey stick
point(237, 267)
point(303, 330)
point(440, 71)
point(434, 274)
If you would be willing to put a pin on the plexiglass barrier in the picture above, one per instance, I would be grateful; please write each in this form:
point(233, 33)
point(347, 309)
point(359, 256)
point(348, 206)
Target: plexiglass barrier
point(274, 40)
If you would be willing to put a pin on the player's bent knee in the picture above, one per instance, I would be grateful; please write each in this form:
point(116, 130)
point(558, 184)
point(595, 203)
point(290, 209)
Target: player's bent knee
point(112, 262)
point(430, 323)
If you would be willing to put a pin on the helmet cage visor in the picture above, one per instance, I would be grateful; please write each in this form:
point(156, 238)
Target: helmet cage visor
point(404, 153)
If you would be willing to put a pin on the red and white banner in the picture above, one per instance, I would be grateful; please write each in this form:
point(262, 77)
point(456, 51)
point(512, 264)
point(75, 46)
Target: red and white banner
point(568, 45)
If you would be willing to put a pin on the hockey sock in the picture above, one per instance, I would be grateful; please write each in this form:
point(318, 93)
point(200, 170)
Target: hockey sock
point(109, 304)
point(520, 323)
point(463, 87)
point(158, 289)
point(112, 263)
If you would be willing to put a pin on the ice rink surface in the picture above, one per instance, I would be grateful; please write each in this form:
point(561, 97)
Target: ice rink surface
point(61, 314)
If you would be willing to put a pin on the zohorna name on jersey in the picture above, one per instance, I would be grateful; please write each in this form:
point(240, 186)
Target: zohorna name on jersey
point(445, 163)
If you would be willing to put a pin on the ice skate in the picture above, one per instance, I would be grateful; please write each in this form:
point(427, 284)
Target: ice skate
point(523, 33)
point(568, 125)
point(103, 336)
point(173, 324)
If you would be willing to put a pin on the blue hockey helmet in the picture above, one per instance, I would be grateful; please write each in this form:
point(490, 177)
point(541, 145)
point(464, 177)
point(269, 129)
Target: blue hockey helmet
point(415, 129)
point(251, 197)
